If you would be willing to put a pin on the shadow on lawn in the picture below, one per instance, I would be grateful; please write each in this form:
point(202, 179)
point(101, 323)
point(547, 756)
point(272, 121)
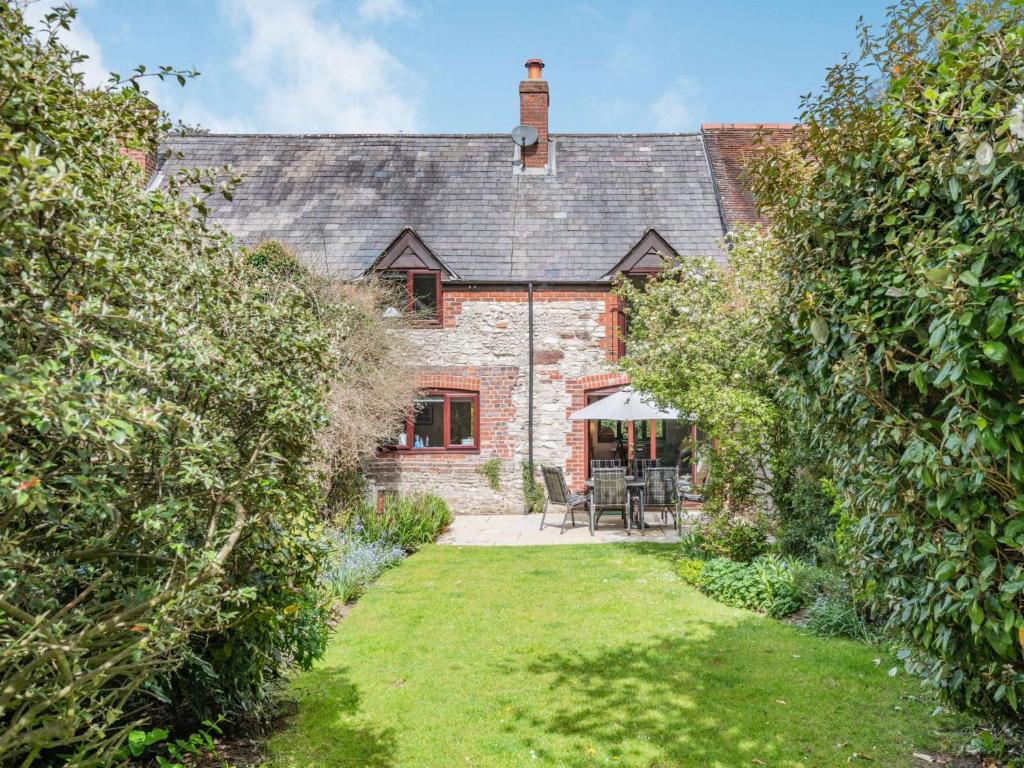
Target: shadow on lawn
point(329, 701)
point(681, 701)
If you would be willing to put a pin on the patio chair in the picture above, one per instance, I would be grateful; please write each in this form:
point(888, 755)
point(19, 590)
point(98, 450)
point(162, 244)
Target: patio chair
point(690, 492)
point(596, 464)
point(640, 466)
point(558, 493)
point(661, 492)
point(609, 492)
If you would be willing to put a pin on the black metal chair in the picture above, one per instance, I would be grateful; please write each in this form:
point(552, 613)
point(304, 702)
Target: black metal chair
point(596, 464)
point(558, 493)
point(661, 492)
point(610, 492)
point(640, 466)
point(693, 493)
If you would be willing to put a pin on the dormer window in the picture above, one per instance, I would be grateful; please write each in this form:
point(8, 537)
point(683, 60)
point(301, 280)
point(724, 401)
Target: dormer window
point(419, 272)
point(425, 294)
point(422, 291)
point(647, 258)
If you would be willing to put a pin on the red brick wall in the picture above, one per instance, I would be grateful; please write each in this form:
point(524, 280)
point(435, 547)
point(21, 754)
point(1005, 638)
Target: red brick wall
point(576, 466)
point(497, 413)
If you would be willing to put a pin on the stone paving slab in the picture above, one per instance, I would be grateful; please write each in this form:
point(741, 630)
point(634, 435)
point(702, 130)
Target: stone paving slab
point(524, 530)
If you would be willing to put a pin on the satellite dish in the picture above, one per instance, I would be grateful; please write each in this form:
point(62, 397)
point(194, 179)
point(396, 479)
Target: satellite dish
point(524, 135)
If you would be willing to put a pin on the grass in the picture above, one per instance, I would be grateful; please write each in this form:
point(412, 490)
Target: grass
point(586, 656)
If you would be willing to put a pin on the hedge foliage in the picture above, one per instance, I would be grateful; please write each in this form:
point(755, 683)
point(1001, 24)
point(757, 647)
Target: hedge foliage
point(900, 219)
point(160, 402)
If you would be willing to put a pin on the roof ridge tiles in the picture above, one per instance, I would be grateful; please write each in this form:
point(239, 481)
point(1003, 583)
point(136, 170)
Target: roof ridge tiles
point(746, 126)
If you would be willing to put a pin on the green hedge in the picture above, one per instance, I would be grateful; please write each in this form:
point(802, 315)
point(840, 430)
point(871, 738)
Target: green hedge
point(160, 399)
point(899, 214)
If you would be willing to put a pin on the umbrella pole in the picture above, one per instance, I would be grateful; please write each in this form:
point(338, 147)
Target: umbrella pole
point(629, 440)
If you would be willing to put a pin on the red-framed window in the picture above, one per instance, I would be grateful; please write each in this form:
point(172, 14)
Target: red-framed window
point(444, 420)
point(423, 296)
point(638, 277)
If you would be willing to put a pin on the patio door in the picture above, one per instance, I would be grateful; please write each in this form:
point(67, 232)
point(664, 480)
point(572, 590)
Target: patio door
point(670, 441)
point(606, 439)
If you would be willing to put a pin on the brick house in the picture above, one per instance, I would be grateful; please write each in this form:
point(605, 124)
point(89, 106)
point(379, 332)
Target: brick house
point(507, 256)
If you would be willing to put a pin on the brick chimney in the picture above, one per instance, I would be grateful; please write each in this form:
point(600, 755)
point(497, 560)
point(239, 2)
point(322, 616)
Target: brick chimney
point(533, 111)
point(145, 159)
point(142, 149)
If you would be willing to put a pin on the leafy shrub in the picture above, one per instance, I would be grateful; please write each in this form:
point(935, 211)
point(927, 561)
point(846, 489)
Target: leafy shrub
point(899, 212)
point(737, 539)
point(768, 584)
point(355, 563)
point(689, 570)
point(162, 404)
point(783, 590)
point(805, 516)
point(407, 521)
point(700, 339)
point(732, 583)
point(836, 617)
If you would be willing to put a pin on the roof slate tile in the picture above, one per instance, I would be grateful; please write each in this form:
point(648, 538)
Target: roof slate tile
point(341, 200)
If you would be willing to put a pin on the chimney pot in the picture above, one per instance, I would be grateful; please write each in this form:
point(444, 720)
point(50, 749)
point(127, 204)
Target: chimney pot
point(534, 66)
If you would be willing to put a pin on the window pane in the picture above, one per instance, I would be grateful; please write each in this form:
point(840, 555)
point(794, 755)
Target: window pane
point(463, 421)
point(428, 426)
point(424, 295)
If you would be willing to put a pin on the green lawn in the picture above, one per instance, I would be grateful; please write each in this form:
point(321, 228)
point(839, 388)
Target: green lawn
point(585, 656)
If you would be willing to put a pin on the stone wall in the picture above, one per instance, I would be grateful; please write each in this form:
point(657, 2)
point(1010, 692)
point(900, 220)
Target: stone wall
point(483, 347)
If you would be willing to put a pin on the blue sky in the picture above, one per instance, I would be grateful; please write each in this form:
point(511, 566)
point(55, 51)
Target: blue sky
point(453, 65)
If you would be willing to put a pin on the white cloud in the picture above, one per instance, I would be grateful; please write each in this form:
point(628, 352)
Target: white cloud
point(679, 106)
point(77, 38)
point(383, 10)
point(308, 74)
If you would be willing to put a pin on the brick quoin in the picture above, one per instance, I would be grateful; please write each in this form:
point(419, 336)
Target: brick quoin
point(576, 465)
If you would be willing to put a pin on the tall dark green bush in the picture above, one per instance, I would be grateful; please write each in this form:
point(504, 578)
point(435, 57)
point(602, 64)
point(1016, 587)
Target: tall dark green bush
point(161, 403)
point(805, 518)
point(900, 218)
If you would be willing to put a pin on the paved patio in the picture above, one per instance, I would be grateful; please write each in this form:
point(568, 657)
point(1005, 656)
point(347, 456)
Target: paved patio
point(524, 530)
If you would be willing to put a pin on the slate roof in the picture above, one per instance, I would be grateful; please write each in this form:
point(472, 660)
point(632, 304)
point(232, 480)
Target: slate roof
point(730, 147)
point(340, 200)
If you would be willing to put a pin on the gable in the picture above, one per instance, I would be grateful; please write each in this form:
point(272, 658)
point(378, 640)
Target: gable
point(648, 255)
point(408, 251)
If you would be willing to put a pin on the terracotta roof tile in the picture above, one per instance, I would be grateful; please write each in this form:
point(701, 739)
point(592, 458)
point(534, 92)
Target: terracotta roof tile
point(730, 146)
